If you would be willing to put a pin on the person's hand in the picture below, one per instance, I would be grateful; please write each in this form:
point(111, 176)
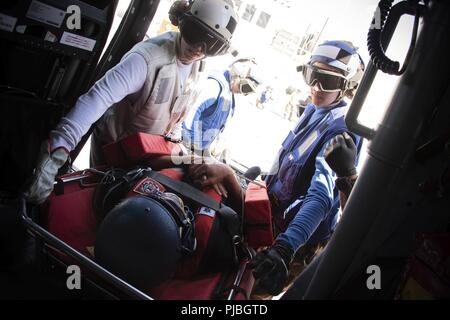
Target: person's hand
point(215, 175)
point(271, 267)
point(49, 162)
point(340, 155)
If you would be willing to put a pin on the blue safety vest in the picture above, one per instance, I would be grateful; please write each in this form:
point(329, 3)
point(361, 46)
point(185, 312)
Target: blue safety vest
point(212, 118)
point(296, 166)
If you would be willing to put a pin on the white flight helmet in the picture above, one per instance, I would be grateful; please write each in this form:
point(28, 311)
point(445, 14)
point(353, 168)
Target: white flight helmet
point(341, 55)
point(210, 23)
point(246, 73)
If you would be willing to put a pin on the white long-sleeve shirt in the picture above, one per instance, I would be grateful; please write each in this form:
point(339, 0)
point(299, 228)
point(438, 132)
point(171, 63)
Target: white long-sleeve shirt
point(125, 78)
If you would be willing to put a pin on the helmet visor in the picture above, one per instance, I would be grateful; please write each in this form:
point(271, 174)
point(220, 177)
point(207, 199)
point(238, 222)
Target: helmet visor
point(250, 82)
point(329, 81)
point(196, 33)
point(247, 86)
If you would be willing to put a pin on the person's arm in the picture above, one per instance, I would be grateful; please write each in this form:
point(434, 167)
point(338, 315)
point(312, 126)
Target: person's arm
point(205, 173)
point(271, 266)
point(220, 177)
point(124, 79)
point(340, 155)
point(317, 202)
point(194, 129)
point(345, 187)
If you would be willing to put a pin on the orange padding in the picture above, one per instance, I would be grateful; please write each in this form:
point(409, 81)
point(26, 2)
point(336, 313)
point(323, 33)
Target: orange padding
point(137, 147)
point(258, 216)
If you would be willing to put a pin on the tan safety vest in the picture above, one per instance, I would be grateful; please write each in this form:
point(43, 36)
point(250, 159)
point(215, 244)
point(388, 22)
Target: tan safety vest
point(159, 107)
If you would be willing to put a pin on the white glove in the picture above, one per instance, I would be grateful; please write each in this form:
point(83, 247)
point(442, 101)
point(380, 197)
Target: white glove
point(45, 172)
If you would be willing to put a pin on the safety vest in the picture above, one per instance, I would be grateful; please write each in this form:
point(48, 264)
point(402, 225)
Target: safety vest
point(210, 121)
point(296, 167)
point(159, 107)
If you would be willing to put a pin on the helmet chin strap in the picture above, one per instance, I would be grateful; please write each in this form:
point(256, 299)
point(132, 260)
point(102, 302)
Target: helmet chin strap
point(235, 81)
point(178, 52)
point(178, 46)
point(339, 97)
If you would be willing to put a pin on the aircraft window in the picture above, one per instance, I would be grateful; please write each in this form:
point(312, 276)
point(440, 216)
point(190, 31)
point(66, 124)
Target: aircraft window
point(121, 9)
point(82, 161)
point(161, 22)
point(385, 85)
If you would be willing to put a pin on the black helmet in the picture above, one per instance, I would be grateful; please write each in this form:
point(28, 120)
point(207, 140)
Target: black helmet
point(142, 239)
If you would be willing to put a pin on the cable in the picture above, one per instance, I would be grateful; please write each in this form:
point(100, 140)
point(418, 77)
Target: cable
point(377, 54)
point(19, 91)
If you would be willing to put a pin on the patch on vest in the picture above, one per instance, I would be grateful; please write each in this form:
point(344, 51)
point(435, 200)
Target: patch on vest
point(323, 127)
point(207, 212)
point(163, 91)
point(226, 105)
point(308, 142)
point(148, 186)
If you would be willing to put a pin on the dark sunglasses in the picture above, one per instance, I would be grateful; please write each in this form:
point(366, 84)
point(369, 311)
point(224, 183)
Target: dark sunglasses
point(196, 33)
point(329, 81)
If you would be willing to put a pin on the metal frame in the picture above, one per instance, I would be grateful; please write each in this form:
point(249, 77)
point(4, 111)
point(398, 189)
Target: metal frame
point(56, 244)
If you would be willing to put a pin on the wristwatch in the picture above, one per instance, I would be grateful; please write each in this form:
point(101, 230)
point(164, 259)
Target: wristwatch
point(345, 184)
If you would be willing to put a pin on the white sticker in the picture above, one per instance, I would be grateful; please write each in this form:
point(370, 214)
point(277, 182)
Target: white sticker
point(7, 23)
point(207, 212)
point(75, 40)
point(21, 29)
point(50, 37)
point(308, 142)
point(46, 14)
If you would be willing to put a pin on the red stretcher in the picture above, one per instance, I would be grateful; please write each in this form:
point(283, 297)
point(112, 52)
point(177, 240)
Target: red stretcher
point(66, 227)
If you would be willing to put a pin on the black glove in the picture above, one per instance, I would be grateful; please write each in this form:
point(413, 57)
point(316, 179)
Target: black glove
point(340, 155)
point(271, 267)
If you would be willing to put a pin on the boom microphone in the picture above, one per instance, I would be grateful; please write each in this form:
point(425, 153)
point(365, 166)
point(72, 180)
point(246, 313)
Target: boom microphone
point(252, 173)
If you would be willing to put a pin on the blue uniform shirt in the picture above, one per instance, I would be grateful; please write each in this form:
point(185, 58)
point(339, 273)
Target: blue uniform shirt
point(306, 202)
point(207, 119)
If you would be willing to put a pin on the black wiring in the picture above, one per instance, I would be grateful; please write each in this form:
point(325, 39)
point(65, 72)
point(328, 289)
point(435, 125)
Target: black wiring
point(377, 53)
point(5, 89)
